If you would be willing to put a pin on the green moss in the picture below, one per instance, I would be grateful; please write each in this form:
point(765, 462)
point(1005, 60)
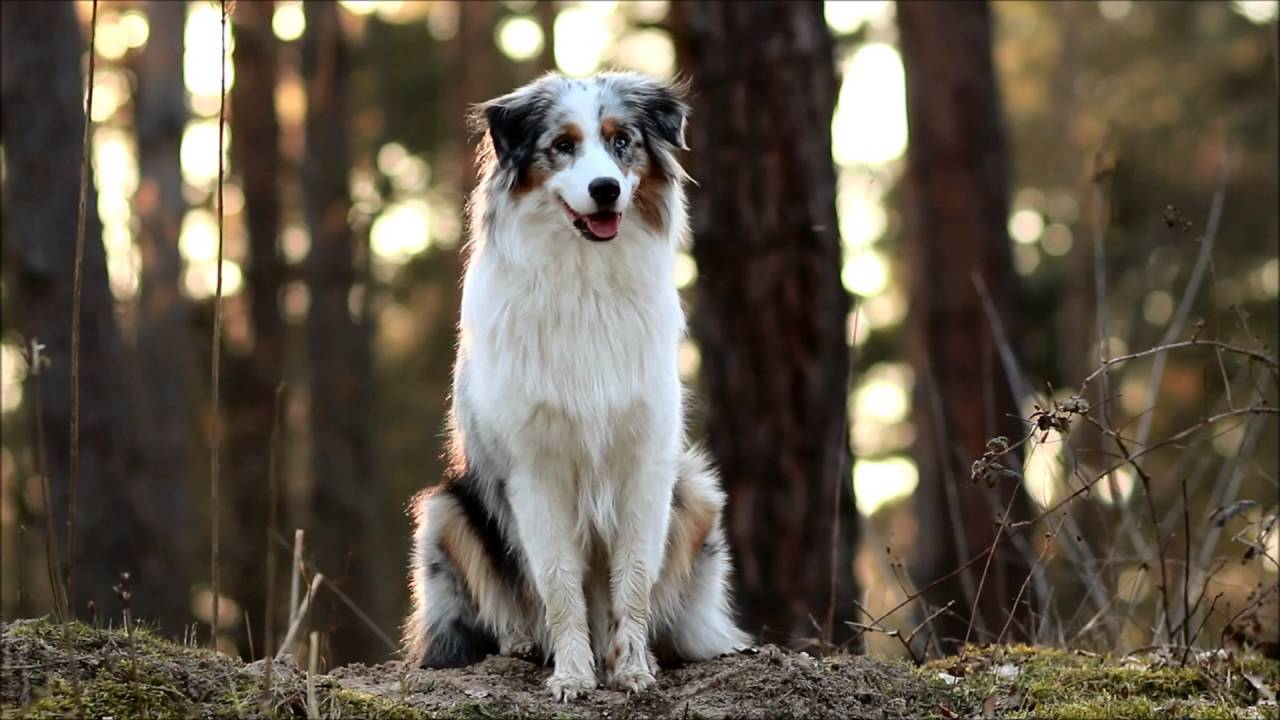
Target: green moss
point(143, 675)
point(1036, 682)
point(344, 703)
point(1099, 709)
point(140, 674)
point(107, 697)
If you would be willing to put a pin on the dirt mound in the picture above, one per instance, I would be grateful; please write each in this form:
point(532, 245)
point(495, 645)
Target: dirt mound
point(768, 682)
point(110, 673)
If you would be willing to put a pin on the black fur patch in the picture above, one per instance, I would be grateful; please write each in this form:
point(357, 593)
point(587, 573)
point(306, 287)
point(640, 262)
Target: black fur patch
point(457, 644)
point(499, 548)
point(454, 639)
point(662, 112)
point(514, 122)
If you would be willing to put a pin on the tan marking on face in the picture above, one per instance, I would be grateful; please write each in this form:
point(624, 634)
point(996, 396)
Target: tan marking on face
point(572, 131)
point(650, 196)
point(531, 177)
point(608, 128)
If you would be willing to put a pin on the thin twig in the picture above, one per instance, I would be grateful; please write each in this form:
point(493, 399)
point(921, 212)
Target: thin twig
point(313, 705)
point(361, 615)
point(1017, 385)
point(1229, 481)
point(1048, 545)
point(1257, 601)
point(973, 612)
point(897, 635)
point(37, 362)
point(1204, 590)
point(1149, 496)
point(76, 292)
point(1208, 614)
point(77, 286)
point(1186, 569)
point(1022, 391)
point(839, 484)
point(928, 619)
point(248, 632)
point(1189, 294)
point(295, 575)
point(1008, 529)
point(215, 442)
point(273, 491)
point(1267, 360)
point(292, 635)
point(949, 485)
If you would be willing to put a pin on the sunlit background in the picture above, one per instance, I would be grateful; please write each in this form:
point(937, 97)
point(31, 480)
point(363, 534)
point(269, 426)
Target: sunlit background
point(408, 195)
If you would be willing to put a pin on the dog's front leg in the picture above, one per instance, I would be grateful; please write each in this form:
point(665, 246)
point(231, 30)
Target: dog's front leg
point(635, 560)
point(544, 510)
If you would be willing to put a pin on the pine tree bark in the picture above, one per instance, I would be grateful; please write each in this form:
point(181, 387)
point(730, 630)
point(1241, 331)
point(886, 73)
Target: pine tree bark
point(165, 354)
point(251, 378)
point(957, 177)
point(42, 125)
point(348, 502)
point(770, 312)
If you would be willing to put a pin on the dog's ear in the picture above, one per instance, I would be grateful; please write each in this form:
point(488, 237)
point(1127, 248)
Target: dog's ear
point(511, 121)
point(664, 111)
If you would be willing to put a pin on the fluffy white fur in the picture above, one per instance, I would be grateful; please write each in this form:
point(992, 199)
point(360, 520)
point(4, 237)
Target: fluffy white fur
point(568, 417)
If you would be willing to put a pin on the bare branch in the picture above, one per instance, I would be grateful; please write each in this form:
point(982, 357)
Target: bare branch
point(1269, 361)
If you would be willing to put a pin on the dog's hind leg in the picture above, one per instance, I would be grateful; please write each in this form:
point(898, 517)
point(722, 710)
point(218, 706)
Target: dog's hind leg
point(444, 629)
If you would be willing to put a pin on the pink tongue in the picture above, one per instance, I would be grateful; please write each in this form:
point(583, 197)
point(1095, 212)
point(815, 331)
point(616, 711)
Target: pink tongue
point(603, 225)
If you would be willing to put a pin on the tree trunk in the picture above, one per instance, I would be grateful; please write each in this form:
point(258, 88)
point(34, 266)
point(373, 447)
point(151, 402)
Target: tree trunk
point(958, 183)
point(166, 360)
point(42, 121)
point(546, 13)
point(251, 377)
point(347, 501)
point(478, 62)
point(770, 313)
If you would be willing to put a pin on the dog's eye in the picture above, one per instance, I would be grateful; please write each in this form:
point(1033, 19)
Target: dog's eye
point(620, 142)
point(563, 145)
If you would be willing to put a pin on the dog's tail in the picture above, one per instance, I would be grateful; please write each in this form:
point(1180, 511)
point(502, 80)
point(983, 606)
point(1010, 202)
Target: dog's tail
point(443, 629)
point(693, 610)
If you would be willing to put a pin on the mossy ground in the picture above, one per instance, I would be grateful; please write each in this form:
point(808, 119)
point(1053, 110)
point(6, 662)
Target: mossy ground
point(125, 675)
point(1018, 681)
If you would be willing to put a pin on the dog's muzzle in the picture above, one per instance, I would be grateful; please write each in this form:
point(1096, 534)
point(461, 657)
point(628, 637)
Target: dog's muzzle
point(597, 227)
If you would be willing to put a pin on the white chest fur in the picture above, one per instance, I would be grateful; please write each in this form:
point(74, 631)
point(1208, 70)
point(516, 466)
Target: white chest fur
point(562, 349)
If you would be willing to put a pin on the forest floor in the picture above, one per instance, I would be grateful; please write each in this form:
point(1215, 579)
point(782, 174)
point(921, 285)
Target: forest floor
point(139, 674)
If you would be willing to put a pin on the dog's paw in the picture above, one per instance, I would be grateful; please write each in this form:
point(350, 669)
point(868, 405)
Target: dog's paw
point(631, 678)
point(525, 649)
point(565, 687)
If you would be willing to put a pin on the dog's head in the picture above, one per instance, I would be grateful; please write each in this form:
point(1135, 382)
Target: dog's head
point(590, 149)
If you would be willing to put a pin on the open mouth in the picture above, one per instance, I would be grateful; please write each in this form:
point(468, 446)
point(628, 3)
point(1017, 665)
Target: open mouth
point(597, 227)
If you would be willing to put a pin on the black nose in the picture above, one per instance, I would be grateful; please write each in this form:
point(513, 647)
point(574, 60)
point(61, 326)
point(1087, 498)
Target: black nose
point(604, 190)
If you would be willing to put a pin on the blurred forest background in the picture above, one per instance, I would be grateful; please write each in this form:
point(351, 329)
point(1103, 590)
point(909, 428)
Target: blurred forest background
point(914, 224)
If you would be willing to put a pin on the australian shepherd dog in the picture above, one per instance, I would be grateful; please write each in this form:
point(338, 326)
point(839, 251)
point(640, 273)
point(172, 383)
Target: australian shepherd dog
point(575, 521)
